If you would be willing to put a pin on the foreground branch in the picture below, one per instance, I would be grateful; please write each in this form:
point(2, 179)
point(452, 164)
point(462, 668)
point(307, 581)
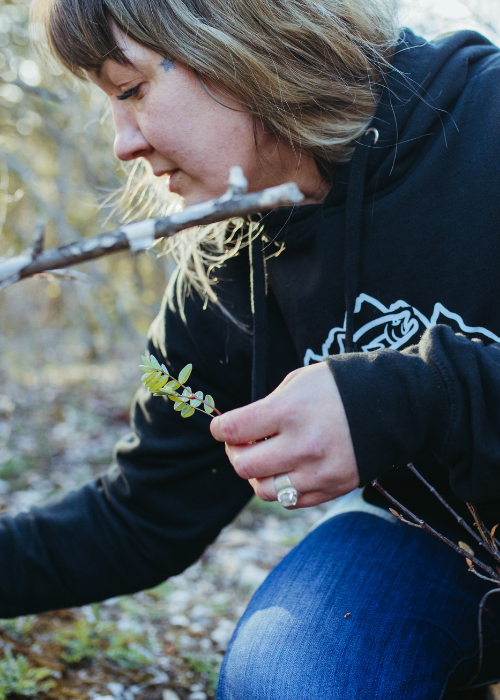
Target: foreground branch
point(139, 236)
point(485, 538)
point(457, 517)
point(493, 576)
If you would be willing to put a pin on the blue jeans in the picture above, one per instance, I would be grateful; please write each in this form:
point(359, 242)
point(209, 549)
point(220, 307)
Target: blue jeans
point(364, 608)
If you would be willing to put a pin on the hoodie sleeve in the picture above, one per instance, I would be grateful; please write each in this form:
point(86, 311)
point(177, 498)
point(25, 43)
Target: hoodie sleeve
point(170, 493)
point(441, 396)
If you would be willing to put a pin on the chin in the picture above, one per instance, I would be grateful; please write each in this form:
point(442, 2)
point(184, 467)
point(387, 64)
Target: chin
point(194, 198)
point(191, 194)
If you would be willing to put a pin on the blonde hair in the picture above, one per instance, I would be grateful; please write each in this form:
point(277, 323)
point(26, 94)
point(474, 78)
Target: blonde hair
point(310, 70)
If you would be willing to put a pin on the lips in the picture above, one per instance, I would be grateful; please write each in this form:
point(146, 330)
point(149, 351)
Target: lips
point(161, 173)
point(172, 175)
point(172, 179)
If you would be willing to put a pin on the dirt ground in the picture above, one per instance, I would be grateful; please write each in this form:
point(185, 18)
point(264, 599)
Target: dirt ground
point(57, 430)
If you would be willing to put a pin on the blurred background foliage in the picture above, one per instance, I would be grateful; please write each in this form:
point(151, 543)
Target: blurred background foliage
point(56, 165)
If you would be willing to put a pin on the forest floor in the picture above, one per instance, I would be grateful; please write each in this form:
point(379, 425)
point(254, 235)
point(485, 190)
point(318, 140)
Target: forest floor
point(57, 430)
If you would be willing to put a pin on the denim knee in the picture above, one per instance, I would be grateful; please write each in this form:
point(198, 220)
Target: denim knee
point(362, 609)
point(258, 657)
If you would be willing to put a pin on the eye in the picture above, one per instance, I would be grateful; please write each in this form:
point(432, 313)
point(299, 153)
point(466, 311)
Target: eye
point(128, 93)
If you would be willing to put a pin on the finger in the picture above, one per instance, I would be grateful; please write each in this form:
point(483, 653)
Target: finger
point(261, 460)
point(266, 488)
point(263, 494)
point(266, 491)
point(243, 425)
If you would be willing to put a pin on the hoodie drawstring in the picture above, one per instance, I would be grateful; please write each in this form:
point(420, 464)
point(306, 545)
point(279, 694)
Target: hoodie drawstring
point(258, 296)
point(354, 227)
point(258, 281)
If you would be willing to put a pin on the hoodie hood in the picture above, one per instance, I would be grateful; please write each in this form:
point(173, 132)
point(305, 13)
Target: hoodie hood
point(415, 108)
point(420, 92)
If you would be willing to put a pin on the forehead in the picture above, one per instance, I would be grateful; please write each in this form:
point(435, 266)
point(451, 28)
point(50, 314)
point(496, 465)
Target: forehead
point(133, 51)
point(140, 59)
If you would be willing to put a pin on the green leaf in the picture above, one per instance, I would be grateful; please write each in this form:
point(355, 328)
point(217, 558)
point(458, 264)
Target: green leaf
point(145, 377)
point(152, 379)
point(185, 374)
point(154, 362)
point(165, 391)
point(162, 392)
point(168, 390)
point(179, 406)
point(164, 370)
point(187, 391)
point(187, 411)
point(197, 401)
point(146, 368)
point(208, 399)
point(172, 397)
point(178, 398)
point(155, 386)
point(158, 384)
point(146, 361)
point(173, 384)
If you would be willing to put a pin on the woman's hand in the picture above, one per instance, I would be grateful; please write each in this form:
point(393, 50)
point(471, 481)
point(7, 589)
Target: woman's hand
point(307, 435)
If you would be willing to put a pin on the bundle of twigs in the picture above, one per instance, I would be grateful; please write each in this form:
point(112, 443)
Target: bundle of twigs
point(484, 537)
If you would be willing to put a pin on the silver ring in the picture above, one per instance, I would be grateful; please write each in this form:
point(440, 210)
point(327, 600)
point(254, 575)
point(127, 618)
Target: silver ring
point(287, 494)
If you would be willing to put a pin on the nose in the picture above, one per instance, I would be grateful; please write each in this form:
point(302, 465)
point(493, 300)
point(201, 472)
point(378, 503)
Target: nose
point(130, 142)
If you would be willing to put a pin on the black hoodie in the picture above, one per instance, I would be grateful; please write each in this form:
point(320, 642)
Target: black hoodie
point(424, 385)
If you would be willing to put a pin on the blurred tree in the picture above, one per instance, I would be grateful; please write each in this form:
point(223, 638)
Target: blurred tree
point(56, 165)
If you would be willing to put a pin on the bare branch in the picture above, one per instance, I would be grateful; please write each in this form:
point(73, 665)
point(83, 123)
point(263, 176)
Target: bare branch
point(495, 577)
point(142, 235)
point(457, 517)
point(486, 536)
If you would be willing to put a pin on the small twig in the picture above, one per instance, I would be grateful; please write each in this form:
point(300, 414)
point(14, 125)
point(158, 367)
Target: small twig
point(485, 535)
point(190, 396)
point(424, 526)
point(39, 240)
point(457, 517)
point(481, 640)
point(155, 372)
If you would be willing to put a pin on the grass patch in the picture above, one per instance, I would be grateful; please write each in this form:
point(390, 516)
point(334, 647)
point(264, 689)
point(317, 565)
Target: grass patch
point(17, 677)
point(208, 666)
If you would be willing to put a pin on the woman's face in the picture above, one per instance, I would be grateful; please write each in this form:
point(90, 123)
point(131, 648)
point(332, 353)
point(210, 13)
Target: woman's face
point(162, 113)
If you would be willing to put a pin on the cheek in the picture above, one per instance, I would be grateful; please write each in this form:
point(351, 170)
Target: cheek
point(203, 139)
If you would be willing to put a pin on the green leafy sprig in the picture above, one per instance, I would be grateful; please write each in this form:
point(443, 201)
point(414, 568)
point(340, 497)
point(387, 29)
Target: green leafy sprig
point(160, 383)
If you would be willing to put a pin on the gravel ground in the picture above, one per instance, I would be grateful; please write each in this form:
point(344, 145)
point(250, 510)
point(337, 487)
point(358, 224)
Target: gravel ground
point(57, 430)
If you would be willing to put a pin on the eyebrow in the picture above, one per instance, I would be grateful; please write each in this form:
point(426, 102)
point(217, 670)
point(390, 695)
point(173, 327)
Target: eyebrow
point(128, 62)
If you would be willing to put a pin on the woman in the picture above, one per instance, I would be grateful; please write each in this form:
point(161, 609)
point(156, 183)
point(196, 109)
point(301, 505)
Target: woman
point(394, 256)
